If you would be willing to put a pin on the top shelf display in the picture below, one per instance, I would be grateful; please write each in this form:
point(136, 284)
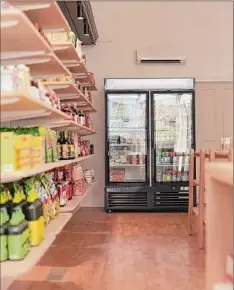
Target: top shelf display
point(34, 50)
point(41, 12)
point(31, 48)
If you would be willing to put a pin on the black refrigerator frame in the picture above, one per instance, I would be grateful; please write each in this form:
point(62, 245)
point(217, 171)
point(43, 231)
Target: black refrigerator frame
point(145, 195)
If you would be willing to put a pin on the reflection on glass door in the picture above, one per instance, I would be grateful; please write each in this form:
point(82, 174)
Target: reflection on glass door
point(126, 129)
point(172, 136)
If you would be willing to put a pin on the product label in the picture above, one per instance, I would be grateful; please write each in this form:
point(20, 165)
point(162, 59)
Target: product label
point(59, 151)
point(72, 151)
point(64, 151)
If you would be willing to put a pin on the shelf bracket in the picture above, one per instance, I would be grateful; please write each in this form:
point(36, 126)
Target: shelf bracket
point(8, 24)
point(8, 101)
point(28, 7)
point(38, 122)
point(59, 124)
point(54, 30)
point(25, 61)
point(67, 96)
point(60, 47)
point(19, 54)
point(71, 61)
point(58, 87)
point(38, 77)
point(86, 84)
point(7, 116)
point(72, 65)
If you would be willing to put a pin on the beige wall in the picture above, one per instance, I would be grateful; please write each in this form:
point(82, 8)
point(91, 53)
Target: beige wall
point(200, 31)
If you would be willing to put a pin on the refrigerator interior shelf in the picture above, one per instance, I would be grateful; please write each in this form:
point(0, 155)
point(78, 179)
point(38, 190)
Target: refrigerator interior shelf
point(127, 165)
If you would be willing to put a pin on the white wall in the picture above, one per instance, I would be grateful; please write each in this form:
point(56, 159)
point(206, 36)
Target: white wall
point(201, 31)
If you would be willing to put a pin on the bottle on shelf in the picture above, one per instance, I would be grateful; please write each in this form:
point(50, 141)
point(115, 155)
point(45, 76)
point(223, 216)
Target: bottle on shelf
point(74, 112)
point(64, 108)
point(71, 146)
point(59, 144)
point(69, 111)
point(81, 118)
point(79, 147)
point(64, 146)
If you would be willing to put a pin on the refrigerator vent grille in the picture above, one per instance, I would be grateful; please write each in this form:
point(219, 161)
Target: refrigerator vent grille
point(128, 200)
point(171, 199)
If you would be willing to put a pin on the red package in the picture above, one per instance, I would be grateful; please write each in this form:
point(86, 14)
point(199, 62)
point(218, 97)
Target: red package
point(69, 191)
point(62, 190)
point(67, 174)
point(79, 187)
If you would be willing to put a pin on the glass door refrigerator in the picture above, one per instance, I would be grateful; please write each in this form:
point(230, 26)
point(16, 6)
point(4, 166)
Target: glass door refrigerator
point(149, 134)
point(172, 140)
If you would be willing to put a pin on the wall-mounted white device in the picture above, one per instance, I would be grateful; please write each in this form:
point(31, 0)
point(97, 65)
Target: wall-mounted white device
point(160, 60)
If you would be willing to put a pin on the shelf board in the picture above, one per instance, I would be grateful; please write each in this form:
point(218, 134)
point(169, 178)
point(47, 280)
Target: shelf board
point(16, 268)
point(16, 176)
point(20, 105)
point(68, 92)
point(36, 113)
point(72, 126)
point(74, 204)
point(46, 13)
point(41, 66)
point(67, 53)
point(23, 33)
point(81, 74)
point(31, 49)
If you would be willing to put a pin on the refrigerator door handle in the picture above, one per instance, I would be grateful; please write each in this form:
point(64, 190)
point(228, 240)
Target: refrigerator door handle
point(150, 140)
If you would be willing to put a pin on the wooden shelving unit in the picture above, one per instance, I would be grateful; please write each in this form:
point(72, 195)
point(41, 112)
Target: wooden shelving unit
point(21, 43)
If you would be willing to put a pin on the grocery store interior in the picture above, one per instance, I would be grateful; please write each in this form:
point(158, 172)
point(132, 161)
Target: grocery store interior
point(116, 145)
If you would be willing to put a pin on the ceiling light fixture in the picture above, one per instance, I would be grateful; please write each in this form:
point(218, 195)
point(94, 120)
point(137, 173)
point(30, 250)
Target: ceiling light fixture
point(86, 28)
point(79, 10)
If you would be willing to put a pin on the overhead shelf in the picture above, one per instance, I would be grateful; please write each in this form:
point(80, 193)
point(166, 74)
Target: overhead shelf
point(31, 48)
point(72, 126)
point(81, 74)
point(16, 28)
point(74, 204)
point(46, 13)
point(21, 106)
point(68, 92)
point(41, 66)
point(67, 53)
point(28, 111)
point(16, 176)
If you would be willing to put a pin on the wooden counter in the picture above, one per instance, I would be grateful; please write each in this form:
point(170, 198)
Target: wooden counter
point(219, 231)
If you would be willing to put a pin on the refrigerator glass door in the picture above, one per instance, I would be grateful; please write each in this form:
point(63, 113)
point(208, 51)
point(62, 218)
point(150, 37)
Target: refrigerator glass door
point(172, 136)
point(127, 137)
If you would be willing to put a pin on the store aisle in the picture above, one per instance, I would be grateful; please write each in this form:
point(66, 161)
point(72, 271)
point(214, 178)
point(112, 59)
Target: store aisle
point(99, 251)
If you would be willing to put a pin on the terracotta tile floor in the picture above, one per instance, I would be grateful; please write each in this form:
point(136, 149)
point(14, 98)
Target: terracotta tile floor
point(119, 251)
